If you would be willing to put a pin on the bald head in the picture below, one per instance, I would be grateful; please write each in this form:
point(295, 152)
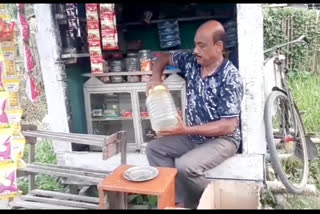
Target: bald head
point(209, 43)
point(215, 29)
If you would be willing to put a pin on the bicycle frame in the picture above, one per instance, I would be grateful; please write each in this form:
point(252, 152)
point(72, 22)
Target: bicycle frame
point(282, 71)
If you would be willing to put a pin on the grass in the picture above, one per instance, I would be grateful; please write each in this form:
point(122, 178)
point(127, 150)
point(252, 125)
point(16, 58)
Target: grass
point(306, 90)
point(303, 202)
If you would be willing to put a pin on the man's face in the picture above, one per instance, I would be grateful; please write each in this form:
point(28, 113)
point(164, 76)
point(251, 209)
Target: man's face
point(206, 51)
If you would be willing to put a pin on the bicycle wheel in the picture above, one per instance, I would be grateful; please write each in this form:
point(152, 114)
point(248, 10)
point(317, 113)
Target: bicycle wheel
point(286, 142)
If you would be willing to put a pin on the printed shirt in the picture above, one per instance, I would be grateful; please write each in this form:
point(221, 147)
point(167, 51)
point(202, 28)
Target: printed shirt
point(211, 98)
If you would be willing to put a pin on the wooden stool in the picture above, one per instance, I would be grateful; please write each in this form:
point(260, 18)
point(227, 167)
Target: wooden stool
point(163, 186)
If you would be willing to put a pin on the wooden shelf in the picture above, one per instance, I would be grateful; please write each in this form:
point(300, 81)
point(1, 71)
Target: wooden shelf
point(125, 73)
point(74, 55)
point(111, 119)
point(178, 19)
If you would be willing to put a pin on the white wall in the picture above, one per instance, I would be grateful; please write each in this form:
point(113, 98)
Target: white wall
point(250, 39)
point(52, 73)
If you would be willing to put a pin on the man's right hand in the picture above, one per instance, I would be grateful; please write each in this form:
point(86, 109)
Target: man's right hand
point(151, 85)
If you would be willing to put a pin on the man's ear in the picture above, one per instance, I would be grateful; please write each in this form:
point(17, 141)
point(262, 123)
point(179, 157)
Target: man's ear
point(220, 46)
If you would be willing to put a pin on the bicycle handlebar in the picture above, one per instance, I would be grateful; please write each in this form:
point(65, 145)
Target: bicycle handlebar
point(300, 39)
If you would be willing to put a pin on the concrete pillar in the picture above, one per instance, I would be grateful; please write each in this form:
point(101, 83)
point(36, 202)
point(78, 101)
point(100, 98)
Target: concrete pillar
point(53, 73)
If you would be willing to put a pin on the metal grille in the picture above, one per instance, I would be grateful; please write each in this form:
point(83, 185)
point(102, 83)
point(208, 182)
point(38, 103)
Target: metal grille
point(314, 6)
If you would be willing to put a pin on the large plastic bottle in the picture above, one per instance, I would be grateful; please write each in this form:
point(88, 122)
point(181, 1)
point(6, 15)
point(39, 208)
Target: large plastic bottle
point(162, 110)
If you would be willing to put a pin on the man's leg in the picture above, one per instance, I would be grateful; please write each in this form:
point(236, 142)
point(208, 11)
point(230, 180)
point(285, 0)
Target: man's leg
point(163, 151)
point(192, 166)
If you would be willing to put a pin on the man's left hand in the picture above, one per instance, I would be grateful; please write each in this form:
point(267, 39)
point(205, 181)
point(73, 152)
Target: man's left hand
point(180, 129)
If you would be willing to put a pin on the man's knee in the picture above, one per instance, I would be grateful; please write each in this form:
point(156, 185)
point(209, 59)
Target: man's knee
point(152, 146)
point(188, 168)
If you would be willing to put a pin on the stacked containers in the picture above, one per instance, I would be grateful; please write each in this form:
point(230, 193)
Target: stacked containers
point(231, 29)
point(117, 66)
point(169, 34)
point(145, 64)
point(132, 65)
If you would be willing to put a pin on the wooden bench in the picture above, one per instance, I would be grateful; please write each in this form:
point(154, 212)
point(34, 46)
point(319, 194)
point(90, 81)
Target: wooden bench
point(39, 199)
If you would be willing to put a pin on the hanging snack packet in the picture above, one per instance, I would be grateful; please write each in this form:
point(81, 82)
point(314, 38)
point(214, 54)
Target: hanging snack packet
point(8, 176)
point(109, 27)
point(33, 91)
point(25, 27)
point(7, 30)
point(14, 117)
point(5, 148)
point(12, 87)
point(5, 144)
point(4, 121)
point(29, 59)
point(17, 148)
point(9, 54)
point(1, 76)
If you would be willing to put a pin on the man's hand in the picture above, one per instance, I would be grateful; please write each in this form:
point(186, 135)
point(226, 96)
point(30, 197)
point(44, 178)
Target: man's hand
point(151, 85)
point(180, 129)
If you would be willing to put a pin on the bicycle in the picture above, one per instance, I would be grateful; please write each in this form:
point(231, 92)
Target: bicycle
point(289, 146)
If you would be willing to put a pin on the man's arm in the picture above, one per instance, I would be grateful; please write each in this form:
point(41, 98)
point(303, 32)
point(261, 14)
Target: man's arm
point(162, 61)
point(221, 127)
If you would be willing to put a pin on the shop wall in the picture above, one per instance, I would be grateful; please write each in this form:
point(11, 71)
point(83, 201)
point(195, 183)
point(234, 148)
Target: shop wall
point(76, 96)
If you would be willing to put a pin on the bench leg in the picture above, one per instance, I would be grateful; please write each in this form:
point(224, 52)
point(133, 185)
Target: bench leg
point(118, 200)
point(168, 198)
point(102, 199)
point(113, 200)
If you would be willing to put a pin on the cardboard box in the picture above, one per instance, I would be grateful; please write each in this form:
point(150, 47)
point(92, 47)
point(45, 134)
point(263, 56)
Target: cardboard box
point(231, 194)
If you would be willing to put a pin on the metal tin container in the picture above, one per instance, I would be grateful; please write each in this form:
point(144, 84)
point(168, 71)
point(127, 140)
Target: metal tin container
point(132, 65)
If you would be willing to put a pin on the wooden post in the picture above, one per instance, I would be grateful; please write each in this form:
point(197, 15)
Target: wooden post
point(123, 146)
point(31, 141)
point(32, 183)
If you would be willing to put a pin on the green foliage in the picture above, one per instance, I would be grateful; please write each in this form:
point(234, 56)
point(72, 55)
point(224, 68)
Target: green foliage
point(48, 182)
point(12, 10)
point(303, 202)
point(136, 199)
point(44, 154)
point(268, 198)
point(285, 24)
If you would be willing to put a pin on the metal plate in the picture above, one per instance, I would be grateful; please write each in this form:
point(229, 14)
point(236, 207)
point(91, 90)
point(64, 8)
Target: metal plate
point(140, 173)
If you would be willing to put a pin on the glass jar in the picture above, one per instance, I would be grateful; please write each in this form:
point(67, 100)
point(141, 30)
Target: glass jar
point(132, 65)
point(117, 66)
point(145, 64)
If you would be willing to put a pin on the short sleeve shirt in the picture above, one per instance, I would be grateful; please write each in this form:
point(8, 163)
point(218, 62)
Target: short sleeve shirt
point(210, 98)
